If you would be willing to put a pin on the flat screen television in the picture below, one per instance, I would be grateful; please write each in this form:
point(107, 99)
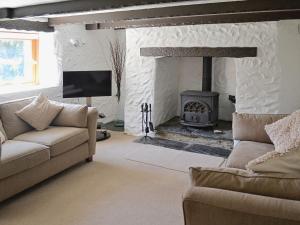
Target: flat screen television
point(86, 83)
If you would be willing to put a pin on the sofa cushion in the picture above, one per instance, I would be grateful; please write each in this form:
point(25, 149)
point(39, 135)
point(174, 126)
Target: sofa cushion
point(278, 186)
point(71, 116)
point(251, 127)
point(246, 151)
point(18, 156)
point(275, 162)
point(12, 124)
point(285, 133)
point(59, 139)
point(40, 112)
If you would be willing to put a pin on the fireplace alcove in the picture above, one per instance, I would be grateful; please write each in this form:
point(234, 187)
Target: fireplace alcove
point(197, 106)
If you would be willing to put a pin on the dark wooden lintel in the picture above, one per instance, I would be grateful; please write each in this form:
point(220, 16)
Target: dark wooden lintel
point(26, 25)
point(234, 52)
point(6, 13)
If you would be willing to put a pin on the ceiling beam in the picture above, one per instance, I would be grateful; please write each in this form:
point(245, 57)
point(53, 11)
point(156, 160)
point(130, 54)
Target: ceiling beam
point(26, 25)
point(183, 11)
point(5, 13)
point(194, 20)
point(76, 6)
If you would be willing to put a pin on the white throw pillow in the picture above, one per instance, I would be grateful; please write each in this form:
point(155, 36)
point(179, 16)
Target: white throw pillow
point(285, 133)
point(40, 113)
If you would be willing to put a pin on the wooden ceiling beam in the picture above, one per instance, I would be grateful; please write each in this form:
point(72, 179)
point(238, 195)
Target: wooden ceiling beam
point(76, 6)
point(208, 9)
point(194, 20)
point(26, 25)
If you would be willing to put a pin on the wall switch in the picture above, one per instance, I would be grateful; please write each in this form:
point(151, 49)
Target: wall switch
point(298, 28)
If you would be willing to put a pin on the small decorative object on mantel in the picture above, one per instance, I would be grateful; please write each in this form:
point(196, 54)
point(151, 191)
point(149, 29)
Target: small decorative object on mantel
point(147, 124)
point(118, 58)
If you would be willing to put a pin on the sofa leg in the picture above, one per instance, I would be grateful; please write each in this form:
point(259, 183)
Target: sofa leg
point(89, 159)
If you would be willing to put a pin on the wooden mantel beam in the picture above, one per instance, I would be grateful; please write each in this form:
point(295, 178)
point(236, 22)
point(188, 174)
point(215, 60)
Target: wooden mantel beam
point(233, 52)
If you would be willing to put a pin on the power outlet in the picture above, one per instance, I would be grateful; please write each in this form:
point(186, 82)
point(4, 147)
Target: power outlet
point(298, 28)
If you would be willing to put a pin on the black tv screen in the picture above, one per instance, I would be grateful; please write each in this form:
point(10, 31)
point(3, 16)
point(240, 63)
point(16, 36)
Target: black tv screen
point(86, 83)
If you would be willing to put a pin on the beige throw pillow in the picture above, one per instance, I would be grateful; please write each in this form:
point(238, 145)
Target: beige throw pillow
point(71, 116)
point(285, 133)
point(279, 186)
point(40, 113)
point(276, 162)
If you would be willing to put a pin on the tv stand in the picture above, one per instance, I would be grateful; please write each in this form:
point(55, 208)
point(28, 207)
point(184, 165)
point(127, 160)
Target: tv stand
point(101, 135)
point(89, 101)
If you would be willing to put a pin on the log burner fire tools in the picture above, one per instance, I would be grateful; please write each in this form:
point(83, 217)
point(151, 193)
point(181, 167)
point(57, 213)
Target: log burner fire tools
point(147, 124)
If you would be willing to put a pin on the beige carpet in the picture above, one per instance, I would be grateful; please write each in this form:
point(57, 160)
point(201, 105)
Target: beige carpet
point(110, 191)
point(170, 158)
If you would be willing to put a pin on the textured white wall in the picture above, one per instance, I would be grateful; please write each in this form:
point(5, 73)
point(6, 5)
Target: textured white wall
point(224, 82)
point(165, 89)
point(258, 80)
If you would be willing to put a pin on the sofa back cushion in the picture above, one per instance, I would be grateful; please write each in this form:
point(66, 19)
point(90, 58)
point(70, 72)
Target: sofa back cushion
point(72, 115)
point(251, 127)
point(278, 186)
point(12, 124)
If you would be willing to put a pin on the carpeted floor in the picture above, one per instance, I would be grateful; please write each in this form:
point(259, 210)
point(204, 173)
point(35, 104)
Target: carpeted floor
point(110, 191)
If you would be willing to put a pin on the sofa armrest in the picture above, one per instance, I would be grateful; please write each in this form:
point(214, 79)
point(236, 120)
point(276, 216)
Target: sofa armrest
point(210, 206)
point(92, 127)
point(251, 127)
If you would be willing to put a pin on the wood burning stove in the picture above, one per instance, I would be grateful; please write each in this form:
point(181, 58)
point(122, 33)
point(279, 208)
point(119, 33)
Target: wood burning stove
point(201, 108)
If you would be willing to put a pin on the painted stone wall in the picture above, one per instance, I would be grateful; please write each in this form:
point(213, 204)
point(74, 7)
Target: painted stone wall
point(257, 83)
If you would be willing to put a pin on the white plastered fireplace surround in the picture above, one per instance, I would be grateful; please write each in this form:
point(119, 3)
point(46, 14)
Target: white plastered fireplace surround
point(259, 83)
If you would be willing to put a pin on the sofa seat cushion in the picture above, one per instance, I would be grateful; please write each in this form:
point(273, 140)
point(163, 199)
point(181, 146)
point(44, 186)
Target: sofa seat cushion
point(18, 156)
point(59, 139)
point(245, 151)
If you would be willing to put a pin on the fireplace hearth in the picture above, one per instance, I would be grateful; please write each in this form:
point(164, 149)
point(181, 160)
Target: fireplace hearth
point(201, 108)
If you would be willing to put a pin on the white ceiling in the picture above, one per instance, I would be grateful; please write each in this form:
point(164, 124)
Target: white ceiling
point(20, 3)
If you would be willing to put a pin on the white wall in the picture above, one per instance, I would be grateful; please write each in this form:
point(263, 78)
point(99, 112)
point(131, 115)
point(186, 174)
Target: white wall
point(165, 89)
point(224, 77)
point(58, 54)
point(93, 54)
point(261, 85)
point(289, 57)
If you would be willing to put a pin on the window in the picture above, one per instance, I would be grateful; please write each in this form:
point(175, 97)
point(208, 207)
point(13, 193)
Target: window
point(19, 58)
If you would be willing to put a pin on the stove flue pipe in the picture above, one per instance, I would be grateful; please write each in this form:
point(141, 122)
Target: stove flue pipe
point(207, 73)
